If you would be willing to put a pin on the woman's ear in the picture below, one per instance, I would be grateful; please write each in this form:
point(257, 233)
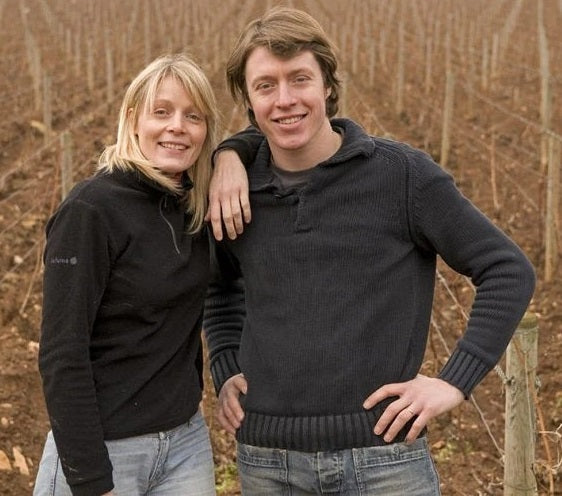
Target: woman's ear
point(130, 117)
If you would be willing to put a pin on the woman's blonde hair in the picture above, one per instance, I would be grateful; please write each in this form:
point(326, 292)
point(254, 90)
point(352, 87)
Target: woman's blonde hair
point(126, 154)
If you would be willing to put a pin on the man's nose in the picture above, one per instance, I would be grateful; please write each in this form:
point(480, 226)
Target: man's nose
point(285, 95)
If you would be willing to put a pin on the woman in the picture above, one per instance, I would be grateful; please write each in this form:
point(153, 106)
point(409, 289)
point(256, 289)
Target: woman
point(126, 271)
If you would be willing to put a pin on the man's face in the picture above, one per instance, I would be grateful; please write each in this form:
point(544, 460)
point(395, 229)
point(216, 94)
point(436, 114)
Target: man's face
point(288, 98)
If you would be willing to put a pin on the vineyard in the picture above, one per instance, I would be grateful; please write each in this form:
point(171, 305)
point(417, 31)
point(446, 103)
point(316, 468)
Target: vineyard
point(475, 83)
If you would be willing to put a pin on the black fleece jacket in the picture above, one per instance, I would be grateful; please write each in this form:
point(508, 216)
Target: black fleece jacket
point(120, 351)
point(339, 278)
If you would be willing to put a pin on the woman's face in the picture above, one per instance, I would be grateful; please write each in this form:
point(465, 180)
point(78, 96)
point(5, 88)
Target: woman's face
point(172, 133)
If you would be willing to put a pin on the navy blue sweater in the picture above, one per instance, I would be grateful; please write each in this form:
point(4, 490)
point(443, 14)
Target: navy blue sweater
point(339, 280)
point(120, 351)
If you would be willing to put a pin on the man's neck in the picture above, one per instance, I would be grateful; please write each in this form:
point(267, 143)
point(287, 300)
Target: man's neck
point(321, 149)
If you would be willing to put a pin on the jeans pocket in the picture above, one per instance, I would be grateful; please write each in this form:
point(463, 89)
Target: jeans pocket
point(262, 470)
point(396, 469)
point(261, 457)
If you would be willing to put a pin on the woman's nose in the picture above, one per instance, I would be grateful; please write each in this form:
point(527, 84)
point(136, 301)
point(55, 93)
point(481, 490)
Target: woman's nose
point(176, 123)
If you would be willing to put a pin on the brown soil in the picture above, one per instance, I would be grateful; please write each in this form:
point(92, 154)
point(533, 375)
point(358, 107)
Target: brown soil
point(467, 445)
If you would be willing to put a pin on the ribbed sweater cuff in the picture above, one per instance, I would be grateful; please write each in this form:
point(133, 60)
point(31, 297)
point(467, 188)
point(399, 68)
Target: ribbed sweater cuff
point(223, 367)
point(464, 371)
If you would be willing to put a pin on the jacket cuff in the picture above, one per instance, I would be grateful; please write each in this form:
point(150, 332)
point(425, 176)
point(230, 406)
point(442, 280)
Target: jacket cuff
point(224, 367)
point(464, 371)
point(95, 487)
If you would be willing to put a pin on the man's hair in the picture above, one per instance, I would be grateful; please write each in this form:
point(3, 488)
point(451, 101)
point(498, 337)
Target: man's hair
point(285, 32)
point(126, 154)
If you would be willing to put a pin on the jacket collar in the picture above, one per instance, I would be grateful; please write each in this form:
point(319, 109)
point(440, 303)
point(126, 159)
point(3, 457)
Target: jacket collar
point(136, 179)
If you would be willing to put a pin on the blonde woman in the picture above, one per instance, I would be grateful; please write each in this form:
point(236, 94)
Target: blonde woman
point(126, 272)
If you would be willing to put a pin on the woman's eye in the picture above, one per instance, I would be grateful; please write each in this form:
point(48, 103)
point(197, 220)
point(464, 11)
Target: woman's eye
point(194, 117)
point(160, 112)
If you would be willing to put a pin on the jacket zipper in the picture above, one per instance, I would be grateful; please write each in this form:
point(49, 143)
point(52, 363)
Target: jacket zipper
point(174, 239)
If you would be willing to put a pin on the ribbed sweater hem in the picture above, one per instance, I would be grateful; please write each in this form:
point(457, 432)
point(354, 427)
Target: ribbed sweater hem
point(315, 433)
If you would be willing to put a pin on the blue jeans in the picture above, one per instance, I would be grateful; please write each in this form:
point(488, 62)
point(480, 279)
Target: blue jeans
point(171, 463)
point(393, 470)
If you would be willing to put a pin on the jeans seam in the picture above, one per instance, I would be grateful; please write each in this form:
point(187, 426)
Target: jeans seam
point(53, 483)
point(285, 458)
point(163, 446)
point(356, 471)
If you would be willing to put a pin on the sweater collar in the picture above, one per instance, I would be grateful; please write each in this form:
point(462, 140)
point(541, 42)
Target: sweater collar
point(356, 143)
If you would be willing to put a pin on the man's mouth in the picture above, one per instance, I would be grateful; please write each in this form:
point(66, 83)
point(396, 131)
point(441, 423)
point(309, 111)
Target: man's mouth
point(290, 120)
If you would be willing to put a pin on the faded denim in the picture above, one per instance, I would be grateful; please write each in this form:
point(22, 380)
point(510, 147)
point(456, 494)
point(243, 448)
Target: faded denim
point(393, 470)
point(171, 463)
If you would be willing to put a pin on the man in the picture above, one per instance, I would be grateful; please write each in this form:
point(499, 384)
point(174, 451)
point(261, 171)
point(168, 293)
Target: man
point(317, 371)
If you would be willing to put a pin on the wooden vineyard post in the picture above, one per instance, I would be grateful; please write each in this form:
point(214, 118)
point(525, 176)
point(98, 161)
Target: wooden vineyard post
point(372, 62)
point(448, 38)
point(494, 61)
point(447, 119)
point(78, 52)
point(33, 57)
point(109, 68)
point(66, 163)
point(90, 64)
point(546, 93)
point(428, 66)
point(552, 222)
point(400, 71)
point(146, 37)
point(47, 108)
point(520, 417)
point(484, 69)
point(493, 174)
point(355, 47)
point(470, 79)
point(123, 51)
point(382, 49)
